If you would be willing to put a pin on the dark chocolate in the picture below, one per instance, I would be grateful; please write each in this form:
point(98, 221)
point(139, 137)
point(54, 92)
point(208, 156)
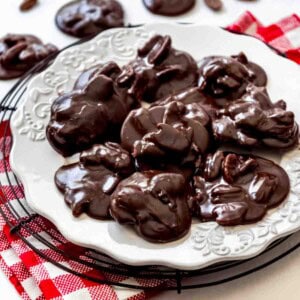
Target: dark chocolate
point(91, 115)
point(169, 7)
point(164, 173)
point(255, 121)
point(155, 204)
point(226, 78)
point(88, 184)
point(172, 134)
point(88, 17)
point(21, 52)
point(159, 70)
point(234, 189)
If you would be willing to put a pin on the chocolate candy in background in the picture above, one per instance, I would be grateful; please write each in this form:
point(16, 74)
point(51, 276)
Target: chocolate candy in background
point(169, 7)
point(162, 136)
point(155, 203)
point(159, 70)
point(28, 4)
point(88, 17)
point(21, 52)
point(215, 5)
point(88, 184)
point(234, 189)
point(91, 115)
point(226, 78)
point(254, 121)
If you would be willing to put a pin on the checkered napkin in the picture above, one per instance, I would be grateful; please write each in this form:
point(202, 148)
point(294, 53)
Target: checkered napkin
point(34, 277)
point(283, 36)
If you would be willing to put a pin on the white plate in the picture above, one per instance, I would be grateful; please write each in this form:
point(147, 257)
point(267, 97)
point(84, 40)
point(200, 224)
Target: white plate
point(35, 162)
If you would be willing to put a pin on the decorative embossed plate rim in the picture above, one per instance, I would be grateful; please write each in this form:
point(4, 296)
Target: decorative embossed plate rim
point(35, 162)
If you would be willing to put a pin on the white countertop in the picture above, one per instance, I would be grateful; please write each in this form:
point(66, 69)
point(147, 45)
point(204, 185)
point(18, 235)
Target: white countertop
point(278, 281)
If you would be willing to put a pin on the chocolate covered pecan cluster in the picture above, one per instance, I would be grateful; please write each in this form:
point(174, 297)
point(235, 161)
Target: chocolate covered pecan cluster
point(159, 70)
point(236, 189)
point(19, 53)
point(91, 114)
point(162, 136)
point(255, 121)
point(226, 78)
point(88, 184)
point(155, 203)
point(88, 17)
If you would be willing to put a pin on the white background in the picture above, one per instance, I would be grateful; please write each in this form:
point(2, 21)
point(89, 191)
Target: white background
point(278, 281)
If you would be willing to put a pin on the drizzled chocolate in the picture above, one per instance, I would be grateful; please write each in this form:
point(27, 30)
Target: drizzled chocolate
point(155, 204)
point(88, 17)
point(19, 53)
point(87, 185)
point(169, 7)
point(236, 189)
point(159, 70)
point(91, 114)
point(226, 78)
point(161, 136)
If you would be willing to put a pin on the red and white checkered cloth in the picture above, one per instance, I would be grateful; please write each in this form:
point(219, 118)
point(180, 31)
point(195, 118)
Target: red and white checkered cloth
point(283, 36)
point(35, 278)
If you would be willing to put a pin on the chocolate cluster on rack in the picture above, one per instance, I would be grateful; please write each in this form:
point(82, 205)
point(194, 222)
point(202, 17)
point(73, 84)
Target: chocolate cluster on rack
point(160, 164)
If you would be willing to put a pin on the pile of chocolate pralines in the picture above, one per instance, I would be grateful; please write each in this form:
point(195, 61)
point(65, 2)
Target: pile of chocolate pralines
point(156, 167)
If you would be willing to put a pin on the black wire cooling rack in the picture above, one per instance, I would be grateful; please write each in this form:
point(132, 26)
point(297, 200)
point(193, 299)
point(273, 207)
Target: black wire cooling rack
point(22, 222)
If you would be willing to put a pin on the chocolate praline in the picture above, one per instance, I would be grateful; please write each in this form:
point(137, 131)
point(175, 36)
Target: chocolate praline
point(163, 136)
point(88, 184)
point(155, 203)
point(169, 7)
point(254, 121)
point(90, 115)
point(158, 71)
point(21, 52)
point(235, 189)
point(226, 78)
point(88, 17)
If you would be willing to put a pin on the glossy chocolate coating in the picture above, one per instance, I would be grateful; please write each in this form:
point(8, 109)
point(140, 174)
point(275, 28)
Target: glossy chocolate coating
point(189, 96)
point(19, 53)
point(252, 121)
point(88, 17)
point(155, 204)
point(226, 78)
point(88, 184)
point(235, 189)
point(172, 134)
point(169, 7)
point(90, 115)
point(110, 69)
point(255, 121)
point(159, 70)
